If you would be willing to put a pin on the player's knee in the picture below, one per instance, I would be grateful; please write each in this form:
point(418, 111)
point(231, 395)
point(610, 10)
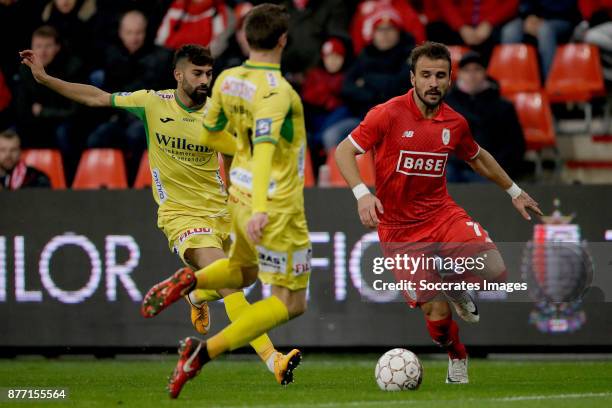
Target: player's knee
point(436, 310)
point(495, 268)
point(296, 309)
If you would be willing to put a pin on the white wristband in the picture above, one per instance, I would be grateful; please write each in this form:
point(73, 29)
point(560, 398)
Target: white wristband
point(514, 191)
point(360, 190)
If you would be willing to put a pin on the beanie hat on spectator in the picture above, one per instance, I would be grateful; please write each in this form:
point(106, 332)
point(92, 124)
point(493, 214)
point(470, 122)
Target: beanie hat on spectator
point(387, 15)
point(333, 46)
point(472, 57)
point(241, 11)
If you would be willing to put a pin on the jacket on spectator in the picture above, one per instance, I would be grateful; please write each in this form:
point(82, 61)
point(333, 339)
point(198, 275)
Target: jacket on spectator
point(377, 76)
point(23, 176)
point(309, 28)
point(5, 104)
point(457, 13)
point(322, 89)
point(494, 124)
point(55, 106)
point(596, 11)
point(206, 22)
point(148, 68)
point(362, 26)
point(73, 28)
point(550, 9)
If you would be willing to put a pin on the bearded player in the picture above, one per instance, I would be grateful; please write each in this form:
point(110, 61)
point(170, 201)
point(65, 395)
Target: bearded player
point(266, 198)
point(187, 184)
point(412, 136)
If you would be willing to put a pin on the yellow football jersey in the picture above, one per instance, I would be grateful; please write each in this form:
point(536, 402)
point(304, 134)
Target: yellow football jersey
point(185, 174)
point(259, 105)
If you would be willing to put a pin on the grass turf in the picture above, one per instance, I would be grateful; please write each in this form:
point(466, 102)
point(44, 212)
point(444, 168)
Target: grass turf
point(321, 381)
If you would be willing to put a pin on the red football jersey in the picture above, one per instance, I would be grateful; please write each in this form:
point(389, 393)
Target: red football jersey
point(411, 155)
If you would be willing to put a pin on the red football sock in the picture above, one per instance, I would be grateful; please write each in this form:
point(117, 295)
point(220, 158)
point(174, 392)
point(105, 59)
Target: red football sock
point(445, 332)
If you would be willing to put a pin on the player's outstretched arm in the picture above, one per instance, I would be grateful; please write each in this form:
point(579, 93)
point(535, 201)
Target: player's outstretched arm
point(81, 93)
point(486, 165)
point(367, 203)
point(221, 141)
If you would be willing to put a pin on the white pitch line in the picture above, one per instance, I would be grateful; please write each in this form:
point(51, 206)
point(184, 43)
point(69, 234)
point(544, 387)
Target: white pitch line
point(426, 402)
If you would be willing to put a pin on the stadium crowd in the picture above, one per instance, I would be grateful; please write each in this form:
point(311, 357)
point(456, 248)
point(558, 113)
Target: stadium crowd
point(343, 57)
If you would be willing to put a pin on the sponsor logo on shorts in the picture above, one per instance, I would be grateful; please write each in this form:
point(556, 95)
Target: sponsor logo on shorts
point(238, 87)
point(301, 261)
point(159, 187)
point(263, 127)
point(421, 163)
point(271, 261)
point(193, 231)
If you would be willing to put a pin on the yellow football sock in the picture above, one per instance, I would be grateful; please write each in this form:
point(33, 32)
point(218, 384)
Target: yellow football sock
point(219, 275)
point(256, 320)
point(235, 305)
point(204, 295)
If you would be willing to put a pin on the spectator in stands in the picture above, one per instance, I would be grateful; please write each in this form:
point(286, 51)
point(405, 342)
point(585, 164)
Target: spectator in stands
point(6, 118)
point(44, 118)
point(312, 22)
point(131, 65)
point(237, 50)
point(492, 119)
point(14, 174)
point(474, 23)
point(322, 97)
point(597, 29)
point(379, 73)
point(71, 19)
point(205, 22)
point(550, 22)
point(367, 12)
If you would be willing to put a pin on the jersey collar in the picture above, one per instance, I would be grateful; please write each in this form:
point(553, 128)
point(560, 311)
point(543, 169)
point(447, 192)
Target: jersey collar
point(261, 65)
point(417, 112)
point(184, 107)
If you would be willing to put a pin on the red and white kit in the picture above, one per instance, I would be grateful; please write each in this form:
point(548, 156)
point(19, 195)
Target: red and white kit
point(411, 154)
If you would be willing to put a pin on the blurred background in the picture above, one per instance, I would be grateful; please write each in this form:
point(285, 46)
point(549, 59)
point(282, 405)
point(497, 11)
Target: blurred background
point(531, 77)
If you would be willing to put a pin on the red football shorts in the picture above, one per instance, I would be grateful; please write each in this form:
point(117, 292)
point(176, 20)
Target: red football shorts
point(444, 238)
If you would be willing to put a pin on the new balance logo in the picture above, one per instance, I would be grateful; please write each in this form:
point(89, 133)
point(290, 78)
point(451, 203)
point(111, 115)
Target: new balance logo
point(408, 133)
point(166, 120)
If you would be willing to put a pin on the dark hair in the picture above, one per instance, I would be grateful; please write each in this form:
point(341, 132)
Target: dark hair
point(47, 31)
point(194, 53)
point(264, 25)
point(431, 50)
point(9, 134)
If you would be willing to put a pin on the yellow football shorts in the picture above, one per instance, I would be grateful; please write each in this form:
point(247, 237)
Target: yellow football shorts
point(185, 231)
point(283, 255)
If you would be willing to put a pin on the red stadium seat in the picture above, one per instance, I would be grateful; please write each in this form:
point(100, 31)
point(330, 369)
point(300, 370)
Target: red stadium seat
point(49, 161)
point(515, 67)
point(536, 119)
point(456, 52)
point(576, 74)
point(365, 162)
point(309, 180)
point(100, 168)
point(143, 177)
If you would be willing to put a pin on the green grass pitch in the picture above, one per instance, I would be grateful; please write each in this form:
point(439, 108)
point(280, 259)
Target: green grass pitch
point(321, 381)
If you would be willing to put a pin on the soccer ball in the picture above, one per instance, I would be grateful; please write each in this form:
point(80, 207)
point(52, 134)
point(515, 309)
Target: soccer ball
point(398, 370)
